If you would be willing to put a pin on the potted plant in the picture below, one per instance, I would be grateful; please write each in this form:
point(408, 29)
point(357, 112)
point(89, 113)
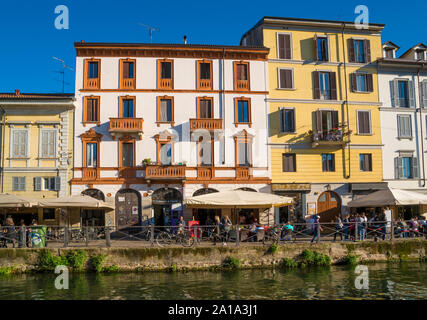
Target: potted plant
point(146, 161)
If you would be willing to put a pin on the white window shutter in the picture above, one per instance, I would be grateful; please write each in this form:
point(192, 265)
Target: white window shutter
point(411, 94)
point(414, 167)
point(424, 89)
point(57, 183)
point(395, 93)
point(37, 183)
point(398, 168)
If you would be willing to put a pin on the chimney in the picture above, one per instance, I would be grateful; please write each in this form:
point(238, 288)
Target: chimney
point(16, 92)
point(185, 39)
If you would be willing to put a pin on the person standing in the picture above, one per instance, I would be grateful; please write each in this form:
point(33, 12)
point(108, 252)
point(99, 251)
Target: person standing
point(226, 227)
point(338, 228)
point(317, 228)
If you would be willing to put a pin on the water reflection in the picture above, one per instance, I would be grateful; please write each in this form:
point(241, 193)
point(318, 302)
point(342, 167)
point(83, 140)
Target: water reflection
point(386, 281)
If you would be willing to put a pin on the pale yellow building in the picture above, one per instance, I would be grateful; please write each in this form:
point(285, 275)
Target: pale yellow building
point(325, 134)
point(36, 151)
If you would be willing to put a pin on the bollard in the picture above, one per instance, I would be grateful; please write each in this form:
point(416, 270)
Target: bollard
point(87, 236)
point(107, 236)
point(65, 237)
point(237, 235)
point(152, 235)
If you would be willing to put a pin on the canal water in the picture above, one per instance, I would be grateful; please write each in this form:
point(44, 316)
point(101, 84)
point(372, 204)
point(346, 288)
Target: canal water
point(386, 281)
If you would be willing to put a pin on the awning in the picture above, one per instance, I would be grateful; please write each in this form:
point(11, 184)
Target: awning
point(12, 201)
point(76, 201)
point(237, 199)
point(389, 197)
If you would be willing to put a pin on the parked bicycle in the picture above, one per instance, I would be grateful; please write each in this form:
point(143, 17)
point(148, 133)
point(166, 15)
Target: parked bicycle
point(180, 235)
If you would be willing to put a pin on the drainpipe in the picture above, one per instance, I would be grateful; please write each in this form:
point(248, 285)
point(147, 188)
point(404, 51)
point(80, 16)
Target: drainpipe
point(3, 114)
point(346, 102)
point(223, 106)
point(421, 123)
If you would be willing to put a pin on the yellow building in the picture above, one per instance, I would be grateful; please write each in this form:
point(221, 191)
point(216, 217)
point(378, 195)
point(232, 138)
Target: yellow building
point(36, 151)
point(325, 136)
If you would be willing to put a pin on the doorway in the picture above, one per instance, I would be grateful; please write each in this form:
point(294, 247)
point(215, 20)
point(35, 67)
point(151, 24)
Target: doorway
point(128, 208)
point(328, 206)
point(167, 206)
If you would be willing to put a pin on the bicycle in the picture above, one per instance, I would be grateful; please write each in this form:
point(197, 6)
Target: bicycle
point(182, 236)
point(271, 236)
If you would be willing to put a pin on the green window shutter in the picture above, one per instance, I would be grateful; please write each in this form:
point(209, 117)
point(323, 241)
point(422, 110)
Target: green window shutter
point(414, 167)
point(57, 183)
point(367, 48)
point(411, 94)
point(37, 184)
point(350, 44)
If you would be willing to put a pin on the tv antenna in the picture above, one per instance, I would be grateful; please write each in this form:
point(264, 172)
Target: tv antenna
point(64, 66)
point(150, 30)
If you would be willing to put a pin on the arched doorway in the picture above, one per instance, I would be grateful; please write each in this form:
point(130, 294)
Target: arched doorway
point(167, 205)
point(128, 208)
point(328, 206)
point(205, 217)
point(93, 217)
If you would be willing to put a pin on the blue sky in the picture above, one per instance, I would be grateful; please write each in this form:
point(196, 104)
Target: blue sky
point(29, 38)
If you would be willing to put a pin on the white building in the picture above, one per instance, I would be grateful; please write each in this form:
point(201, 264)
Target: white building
point(157, 123)
point(403, 93)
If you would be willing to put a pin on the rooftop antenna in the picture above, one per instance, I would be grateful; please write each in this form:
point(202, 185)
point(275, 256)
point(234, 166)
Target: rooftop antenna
point(64, 66)
point(150, 30)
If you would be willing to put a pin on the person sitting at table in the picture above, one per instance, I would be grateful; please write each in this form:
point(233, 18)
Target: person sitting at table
point(253, 228)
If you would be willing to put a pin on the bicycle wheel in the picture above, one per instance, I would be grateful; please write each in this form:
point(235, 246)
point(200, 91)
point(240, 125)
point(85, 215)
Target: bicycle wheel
point(186, 240)
point(164, 239)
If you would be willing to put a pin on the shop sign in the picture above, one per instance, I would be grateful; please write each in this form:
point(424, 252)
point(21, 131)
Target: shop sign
point(291, 186)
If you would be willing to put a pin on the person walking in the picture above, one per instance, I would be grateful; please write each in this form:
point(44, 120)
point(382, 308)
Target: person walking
point(360, 227)
point(226, 227)
point(217, 229)
point(346, 223)
point(317, 228)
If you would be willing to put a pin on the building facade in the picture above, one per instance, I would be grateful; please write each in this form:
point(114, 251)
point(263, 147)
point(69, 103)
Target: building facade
point(37, 150)
point(157, 123)
point(403, 93)
point(325, 134)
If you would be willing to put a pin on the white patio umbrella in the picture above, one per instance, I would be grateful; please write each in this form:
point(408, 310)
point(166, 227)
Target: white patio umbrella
point(13, 201)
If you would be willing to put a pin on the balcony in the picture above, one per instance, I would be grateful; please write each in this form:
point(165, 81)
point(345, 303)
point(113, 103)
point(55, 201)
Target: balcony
point(127, 83)
point(206, 124)
point(330, 138)
point(205, 84)
point(205, 173)
point(164, 172)
point(127, 173)
point(165, 84)
point(242, 173)
point(90, 173)
point(126, 126)
point(242, 85)
point(92, 83)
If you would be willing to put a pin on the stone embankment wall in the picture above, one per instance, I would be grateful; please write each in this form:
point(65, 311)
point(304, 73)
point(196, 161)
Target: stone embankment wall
point(202, 258)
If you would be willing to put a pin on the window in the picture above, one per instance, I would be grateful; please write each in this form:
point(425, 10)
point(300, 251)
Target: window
point(389, 53)
point(419, 55)
point(359, 51)
point(48, 213)
point(91, 110)
point(424, 93)
point(404, 126)
point(18, 183)
point(241, 75)
point(365, 160)
point(48, 144)
point(328, 162)
point(403, 93)
point(242, 111)
point(48, 183)
point(287, 120)
point(204, 75)
point(205, 108)
point(327, 126)
point(406, 167)
point(322, 53)
point(165, 110)
point(289, 162)
point(165, 74)
point(127, 73)
point(325, 87)
point(165, 153)
point(361, 82)
point(205, 148)
point(284, 46)
point(92, 74)
point(364, 122)
point(91, 154)
point(286, 79)
point(244, 159)
point(19, 143)
point(127, 107)
point(127, 154)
